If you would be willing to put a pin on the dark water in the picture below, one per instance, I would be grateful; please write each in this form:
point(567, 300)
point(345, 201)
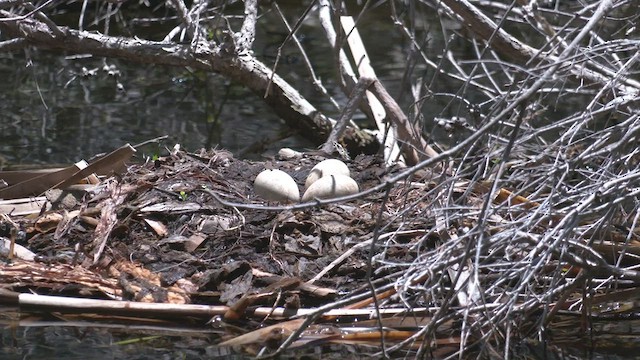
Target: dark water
point(60, 108)
point(71, 342)
point(53, 114)
point(57, 342)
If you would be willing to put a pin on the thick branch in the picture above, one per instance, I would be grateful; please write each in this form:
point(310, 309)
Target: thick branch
point(486, 29)
point(247, 34)
point(416, 149)
point(285, 101)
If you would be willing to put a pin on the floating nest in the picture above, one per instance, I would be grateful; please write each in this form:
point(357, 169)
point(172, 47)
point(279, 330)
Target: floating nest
point(419, 263)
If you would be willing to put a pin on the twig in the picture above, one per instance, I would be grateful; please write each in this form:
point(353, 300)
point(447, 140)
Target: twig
point(339, 260)
point(347, 113)
point(116, 307)
point(13, 44)
point(42, 17)
point(183, 12)
point(386, 134)
point(291, 33)
point(316, 81)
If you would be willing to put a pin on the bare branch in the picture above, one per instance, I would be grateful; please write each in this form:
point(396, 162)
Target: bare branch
point(13, 44)
point(509, 46)
point(284, 100)
point(244, 40)
point(347, 113)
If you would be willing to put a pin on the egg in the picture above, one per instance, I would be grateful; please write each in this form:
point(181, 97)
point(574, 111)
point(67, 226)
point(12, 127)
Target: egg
point(288, 154)
point(331, 186)
point(325, 168)
point(276, 185)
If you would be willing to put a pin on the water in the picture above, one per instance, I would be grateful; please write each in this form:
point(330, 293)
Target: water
point(102, 342)
point(54, 114)
point(59, 109)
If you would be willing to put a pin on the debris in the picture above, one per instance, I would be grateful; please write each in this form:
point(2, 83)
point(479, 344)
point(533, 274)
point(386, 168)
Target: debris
point(156, 234)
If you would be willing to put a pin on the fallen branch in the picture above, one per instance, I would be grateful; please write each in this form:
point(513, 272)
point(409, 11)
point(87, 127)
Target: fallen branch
point(64, 304)
point(284, 100)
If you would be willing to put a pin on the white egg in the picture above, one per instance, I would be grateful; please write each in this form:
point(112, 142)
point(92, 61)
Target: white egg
point(331, 186)
point(326, 168)
point(288, 154)
point(276, 185)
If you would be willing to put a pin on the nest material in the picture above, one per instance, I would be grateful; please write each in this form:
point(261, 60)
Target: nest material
point(471, 261)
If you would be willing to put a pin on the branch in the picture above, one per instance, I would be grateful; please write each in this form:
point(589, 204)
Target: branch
point(244, 40)
point(13, 44)
point(415, 149)
point(183, 12)
point(487, 30)
point(346, 76)
point(284, 100)
point(42, 17)
point(372, 107)
point(347, 113)
point(509, 46)
point(316, 81)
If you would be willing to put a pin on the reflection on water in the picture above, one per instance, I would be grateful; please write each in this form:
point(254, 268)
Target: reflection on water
point(62, 110)
point(60, 342)
point(102, 342)
point(57, 109)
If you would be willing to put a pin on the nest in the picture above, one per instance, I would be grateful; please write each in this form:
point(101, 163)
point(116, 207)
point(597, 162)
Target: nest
point(421, 261)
